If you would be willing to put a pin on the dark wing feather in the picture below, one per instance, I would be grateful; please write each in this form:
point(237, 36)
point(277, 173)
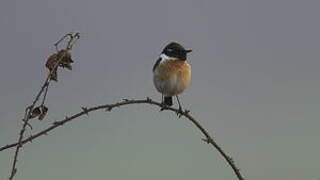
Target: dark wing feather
point(156, 64)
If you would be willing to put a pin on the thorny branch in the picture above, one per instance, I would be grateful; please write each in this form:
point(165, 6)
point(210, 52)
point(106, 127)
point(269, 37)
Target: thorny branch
point(108, 107)
point(30, 108)
point(85, 111)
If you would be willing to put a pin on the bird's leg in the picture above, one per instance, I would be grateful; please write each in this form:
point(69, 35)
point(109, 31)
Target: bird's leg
point(163, 105)
point(180, 111)
point(162, 99)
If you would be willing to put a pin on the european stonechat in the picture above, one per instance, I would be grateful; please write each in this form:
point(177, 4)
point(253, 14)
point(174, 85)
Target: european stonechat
point(172, 73)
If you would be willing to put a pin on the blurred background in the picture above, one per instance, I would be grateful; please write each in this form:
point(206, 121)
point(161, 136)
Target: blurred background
point(255, 87)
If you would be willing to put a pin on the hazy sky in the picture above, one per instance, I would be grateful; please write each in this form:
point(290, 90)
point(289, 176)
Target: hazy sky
point(255, 87)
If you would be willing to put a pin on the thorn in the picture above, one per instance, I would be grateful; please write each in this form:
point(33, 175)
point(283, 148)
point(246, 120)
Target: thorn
point(125, 100)
point(207, 140)
point(231, 159)
point(164, 107)
point(14, 172)
point(148, 99)
point(57, 123)
point(180, 112)
point(85, 110)
point(186, 111)
point(108, 109)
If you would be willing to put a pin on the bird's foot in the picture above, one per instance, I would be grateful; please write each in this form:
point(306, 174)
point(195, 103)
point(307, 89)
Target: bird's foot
point(180, 112)
point(163, 107)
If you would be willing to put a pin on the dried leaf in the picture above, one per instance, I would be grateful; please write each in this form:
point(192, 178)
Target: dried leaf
point(51, 61)
point(68, 66)
point(44, 111)
point(66, 60)
point(35, 112)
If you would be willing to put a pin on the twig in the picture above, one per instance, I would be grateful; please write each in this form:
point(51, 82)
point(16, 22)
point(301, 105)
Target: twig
point(208, 139)
point(45, 95)
point(29, 109)
point(63, 38)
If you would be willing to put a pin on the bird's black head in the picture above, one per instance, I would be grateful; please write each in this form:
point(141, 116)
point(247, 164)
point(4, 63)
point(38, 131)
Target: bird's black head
point(175, 50)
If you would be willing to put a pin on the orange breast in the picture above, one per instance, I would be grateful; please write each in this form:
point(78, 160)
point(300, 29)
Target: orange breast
point(171, 68)
point(177, 73)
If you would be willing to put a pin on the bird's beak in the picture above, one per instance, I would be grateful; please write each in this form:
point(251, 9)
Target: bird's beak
point(189, 50)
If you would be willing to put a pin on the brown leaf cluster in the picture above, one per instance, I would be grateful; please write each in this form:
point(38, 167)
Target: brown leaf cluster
point(65, 59)
point(40, 112)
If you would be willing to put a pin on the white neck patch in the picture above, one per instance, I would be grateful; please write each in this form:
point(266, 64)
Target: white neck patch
point(165, 58)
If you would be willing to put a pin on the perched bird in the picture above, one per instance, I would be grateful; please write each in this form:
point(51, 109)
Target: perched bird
point(172, 73)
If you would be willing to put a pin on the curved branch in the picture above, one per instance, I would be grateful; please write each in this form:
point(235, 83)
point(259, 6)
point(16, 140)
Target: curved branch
point(108, 107)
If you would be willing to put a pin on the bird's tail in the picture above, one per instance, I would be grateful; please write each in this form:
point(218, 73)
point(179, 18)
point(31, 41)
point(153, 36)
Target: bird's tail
point(168, 100)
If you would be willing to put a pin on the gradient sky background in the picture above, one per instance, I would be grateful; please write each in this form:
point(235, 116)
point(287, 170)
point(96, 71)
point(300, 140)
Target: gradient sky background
point(255, 87)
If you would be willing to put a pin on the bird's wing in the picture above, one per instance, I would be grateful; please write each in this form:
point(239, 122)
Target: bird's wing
point(156, 64)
